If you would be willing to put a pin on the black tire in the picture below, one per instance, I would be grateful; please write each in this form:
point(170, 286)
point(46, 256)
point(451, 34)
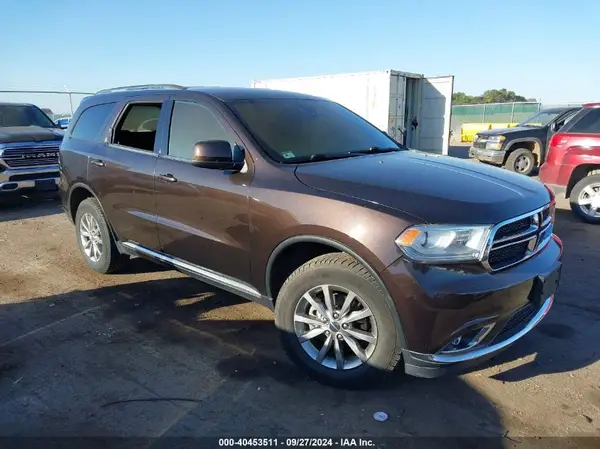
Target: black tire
point(514, 161)
point(111, 259)
point(343, 270)
point(593, 180)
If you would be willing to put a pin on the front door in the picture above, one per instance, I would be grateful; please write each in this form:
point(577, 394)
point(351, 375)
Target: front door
point(202, 213)
point(122, 171)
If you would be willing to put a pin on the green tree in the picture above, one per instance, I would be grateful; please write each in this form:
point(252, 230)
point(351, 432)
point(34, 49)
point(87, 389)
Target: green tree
point(489, 96)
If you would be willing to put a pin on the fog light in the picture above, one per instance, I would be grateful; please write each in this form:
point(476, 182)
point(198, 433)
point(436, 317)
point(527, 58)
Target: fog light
point(467, 340)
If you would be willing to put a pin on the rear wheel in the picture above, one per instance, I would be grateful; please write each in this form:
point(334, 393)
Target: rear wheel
point(335, 322)
point(95, 240)
point(585, 199)
point(521, 161)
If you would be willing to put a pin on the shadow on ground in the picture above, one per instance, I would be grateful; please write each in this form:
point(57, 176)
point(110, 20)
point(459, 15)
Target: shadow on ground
point(177, 351)
point(14, 208)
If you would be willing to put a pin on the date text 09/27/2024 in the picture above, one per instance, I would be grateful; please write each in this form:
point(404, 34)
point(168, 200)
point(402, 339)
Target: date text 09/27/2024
point(296, 442)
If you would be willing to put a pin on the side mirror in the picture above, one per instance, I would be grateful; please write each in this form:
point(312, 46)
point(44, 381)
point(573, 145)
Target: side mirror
point(555, 127)
point(218, 155)
point(62, 123)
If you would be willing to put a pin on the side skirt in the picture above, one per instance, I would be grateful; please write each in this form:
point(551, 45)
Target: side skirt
point(228, 283)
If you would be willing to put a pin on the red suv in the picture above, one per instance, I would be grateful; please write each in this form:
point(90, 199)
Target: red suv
point(572, 167)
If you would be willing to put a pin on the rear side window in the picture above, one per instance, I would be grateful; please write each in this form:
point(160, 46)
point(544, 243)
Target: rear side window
point(192, 123)
point(91, 122)
point(137, 127)
point(589, 123)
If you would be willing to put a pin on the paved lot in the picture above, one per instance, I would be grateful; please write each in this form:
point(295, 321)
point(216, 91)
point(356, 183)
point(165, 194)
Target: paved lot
point(152, 353)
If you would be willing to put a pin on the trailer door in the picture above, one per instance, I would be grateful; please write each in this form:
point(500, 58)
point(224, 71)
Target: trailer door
point(436, 107)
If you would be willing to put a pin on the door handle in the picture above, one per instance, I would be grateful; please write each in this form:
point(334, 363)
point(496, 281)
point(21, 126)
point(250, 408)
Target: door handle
point(97, 162)
point(168, 177)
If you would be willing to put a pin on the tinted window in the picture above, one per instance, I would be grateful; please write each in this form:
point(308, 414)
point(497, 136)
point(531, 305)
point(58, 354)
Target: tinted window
point(293, 130)
point(23, 115)
point(192, 123)
point(541, 118)
point(589, 123)
point(565, 119)
point(137, 127)
point(91, 122)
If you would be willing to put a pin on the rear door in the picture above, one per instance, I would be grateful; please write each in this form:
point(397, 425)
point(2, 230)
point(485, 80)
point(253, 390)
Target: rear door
point(203, 214)
point(122, 171)
point(554, 127)
point(436, 107)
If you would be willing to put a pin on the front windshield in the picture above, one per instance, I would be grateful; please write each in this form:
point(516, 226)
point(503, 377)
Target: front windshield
point(541, 118)
point(23, 115)
point(295, 130)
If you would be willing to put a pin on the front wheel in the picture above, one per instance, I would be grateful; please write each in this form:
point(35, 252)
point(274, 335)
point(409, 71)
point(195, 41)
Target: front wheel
point(585, 199)
point(336, 324)
point(521, 161)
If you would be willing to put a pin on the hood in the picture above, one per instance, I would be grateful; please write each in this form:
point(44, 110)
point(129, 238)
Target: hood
point(12, 134)
point(437, 189)
point(505, 131)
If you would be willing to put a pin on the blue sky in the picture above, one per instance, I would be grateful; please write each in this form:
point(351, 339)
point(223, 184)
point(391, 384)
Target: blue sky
point(551, 52)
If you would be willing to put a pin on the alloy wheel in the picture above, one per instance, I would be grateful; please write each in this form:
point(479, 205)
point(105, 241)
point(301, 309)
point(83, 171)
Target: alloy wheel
point(91, 237)
point(589, 200)
point(335, 327)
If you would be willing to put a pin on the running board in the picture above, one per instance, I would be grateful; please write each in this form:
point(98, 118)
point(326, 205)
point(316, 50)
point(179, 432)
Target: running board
point(228, 283)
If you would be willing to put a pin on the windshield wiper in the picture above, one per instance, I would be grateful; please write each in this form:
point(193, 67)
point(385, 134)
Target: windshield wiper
point(376, 150)
point(325, 157)
point(319, 157)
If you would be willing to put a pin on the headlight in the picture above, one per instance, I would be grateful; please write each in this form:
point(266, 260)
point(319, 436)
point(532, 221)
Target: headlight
point(495, 142)
point(444, 244)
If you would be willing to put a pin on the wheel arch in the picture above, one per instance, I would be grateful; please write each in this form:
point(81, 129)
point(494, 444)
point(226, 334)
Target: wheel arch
point(78, 193)
point(531, 143)
point(334, 245)
point(580, 172)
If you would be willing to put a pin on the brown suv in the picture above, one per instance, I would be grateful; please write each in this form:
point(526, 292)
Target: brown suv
point(370, 254)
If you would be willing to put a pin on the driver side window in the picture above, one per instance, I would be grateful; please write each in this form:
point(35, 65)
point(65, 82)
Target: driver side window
point(192, 123)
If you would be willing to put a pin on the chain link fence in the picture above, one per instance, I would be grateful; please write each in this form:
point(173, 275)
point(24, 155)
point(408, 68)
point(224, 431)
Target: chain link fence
point(497, 112)
point(57, 104)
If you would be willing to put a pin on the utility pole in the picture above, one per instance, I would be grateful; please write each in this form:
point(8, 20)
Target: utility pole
point(70, 98)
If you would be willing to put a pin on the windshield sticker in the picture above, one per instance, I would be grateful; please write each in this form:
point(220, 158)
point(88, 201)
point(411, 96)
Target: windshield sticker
point(288, 154)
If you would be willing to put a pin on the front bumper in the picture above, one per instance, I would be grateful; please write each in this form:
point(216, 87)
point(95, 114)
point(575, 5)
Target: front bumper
point(17, 180)
point(437, 305)
point(491, 156)
point(435, 365)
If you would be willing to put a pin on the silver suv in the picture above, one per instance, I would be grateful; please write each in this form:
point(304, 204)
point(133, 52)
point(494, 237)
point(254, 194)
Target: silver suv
point(29, 145)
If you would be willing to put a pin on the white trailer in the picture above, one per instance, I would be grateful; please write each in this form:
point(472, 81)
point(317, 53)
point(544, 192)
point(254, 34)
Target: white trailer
point(391, 100)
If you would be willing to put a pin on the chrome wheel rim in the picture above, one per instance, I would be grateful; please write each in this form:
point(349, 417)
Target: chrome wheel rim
point(589, 200)
point(522, 164)
point(91, 237)
point(335, 327)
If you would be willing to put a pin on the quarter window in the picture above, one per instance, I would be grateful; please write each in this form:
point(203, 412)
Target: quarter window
point(588, 124)
point(192, 123)
point(137, 127)
point(91, 122)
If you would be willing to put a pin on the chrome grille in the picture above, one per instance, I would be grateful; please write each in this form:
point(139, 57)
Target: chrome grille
point(30, 156)
point(518, 239)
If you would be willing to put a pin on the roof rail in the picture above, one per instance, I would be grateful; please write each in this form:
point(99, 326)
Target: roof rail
point(141, 87)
